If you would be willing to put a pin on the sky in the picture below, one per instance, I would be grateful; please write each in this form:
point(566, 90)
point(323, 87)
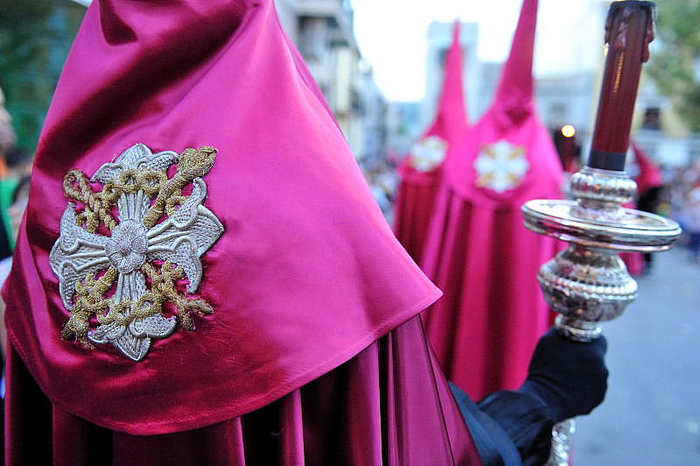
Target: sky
point(391, 35)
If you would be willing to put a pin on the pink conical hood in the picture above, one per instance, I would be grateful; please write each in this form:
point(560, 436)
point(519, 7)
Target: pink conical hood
point(286, 267)
point(421, 169)
point(515, 88)
point(451, 118)
point(509, 140)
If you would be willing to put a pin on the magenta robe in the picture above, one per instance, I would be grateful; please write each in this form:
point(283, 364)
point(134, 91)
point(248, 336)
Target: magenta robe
point(648, 177)
point(388, 405)
point(415, 195)
point(312, 350)
point(485, 327)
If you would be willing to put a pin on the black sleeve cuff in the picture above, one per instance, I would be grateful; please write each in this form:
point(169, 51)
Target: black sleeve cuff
point(525, 419)
point(492, 442)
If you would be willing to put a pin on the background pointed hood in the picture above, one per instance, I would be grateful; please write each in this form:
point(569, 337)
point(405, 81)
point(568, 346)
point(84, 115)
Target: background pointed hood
point(649, 175)
point(509, 138)
point(428, 152)
point(421, 168)
point(514, 99)
point(450, 118)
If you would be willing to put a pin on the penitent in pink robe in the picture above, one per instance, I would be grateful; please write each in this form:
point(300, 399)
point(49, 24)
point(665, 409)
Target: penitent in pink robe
point(478, 251)
point(307, 347)
point(415, 196)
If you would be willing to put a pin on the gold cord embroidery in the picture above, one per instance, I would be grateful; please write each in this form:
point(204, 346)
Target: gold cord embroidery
point(193, 164)
point(77, 187)
point(90, 302)
point(137, 189)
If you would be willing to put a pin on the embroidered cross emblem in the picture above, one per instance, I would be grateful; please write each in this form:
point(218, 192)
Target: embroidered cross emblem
point(501, 166)
point(124, 252)
point(428, 153)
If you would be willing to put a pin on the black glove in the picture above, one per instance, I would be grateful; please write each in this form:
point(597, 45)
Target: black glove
point(569, 377)
point(566, 378)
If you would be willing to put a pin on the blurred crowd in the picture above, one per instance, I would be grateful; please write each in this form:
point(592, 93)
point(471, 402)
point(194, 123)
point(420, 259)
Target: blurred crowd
point(680, 200)
point(15, 169)
point(383, 179)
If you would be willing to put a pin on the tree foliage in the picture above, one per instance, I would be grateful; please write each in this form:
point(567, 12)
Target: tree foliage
point(35, 36)
point(675, 68)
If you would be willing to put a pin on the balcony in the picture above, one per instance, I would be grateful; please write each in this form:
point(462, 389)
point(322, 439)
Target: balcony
point(337, 12)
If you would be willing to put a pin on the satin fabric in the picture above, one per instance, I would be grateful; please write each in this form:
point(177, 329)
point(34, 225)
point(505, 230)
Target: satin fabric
point(416, 192)
point(306, 275)
point(634, 261)
point(388, 405)
point(478, 251)
point(414, 206)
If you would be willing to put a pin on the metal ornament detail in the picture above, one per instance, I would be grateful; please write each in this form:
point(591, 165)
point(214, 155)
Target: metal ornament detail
point(501, 166)
point(588, 283)
point(563, 436)
point(125, 252)
point(428, 153)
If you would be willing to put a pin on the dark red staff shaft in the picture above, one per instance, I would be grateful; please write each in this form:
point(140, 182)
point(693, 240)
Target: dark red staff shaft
point(628, 31)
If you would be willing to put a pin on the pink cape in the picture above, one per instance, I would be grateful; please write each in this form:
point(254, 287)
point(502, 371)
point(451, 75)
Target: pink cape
point(306, 277)
point(478, 251)
point(388, 405)
point(634, 261)
point(415, 196)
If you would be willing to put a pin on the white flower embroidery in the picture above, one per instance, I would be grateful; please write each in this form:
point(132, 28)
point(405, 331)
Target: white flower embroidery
point(501, 166)
point(428, 153)
point(141, 246)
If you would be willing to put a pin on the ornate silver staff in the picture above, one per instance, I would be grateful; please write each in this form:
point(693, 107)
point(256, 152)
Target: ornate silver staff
point(588, 283)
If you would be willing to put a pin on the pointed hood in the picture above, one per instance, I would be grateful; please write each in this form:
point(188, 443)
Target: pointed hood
point(195, 216)
point(450, 118)
point(514, 93)
point(508, 157)
point(421, 168)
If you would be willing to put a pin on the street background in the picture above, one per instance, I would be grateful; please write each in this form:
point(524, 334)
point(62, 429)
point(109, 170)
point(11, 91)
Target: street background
point(651, 414)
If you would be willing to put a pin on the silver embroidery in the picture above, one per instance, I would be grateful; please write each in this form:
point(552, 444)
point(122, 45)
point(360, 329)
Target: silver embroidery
point(136, 188)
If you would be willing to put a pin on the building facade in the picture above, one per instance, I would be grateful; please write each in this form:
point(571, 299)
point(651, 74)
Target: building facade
point(323, 32)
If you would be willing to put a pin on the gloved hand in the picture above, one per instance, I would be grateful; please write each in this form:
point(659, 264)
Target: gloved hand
point(569, 377)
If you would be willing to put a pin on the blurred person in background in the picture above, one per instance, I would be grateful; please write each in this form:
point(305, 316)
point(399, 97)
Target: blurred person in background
point(18, 165)
point(691, 217)
point(20, 197)
point(8, 139)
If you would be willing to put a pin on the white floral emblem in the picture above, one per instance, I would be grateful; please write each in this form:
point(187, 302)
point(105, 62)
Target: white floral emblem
point(501, 166)
point(142, 232)
point(428, 153)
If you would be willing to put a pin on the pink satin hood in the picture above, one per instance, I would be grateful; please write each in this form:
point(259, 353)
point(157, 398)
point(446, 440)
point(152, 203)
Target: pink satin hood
point(306, 273)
